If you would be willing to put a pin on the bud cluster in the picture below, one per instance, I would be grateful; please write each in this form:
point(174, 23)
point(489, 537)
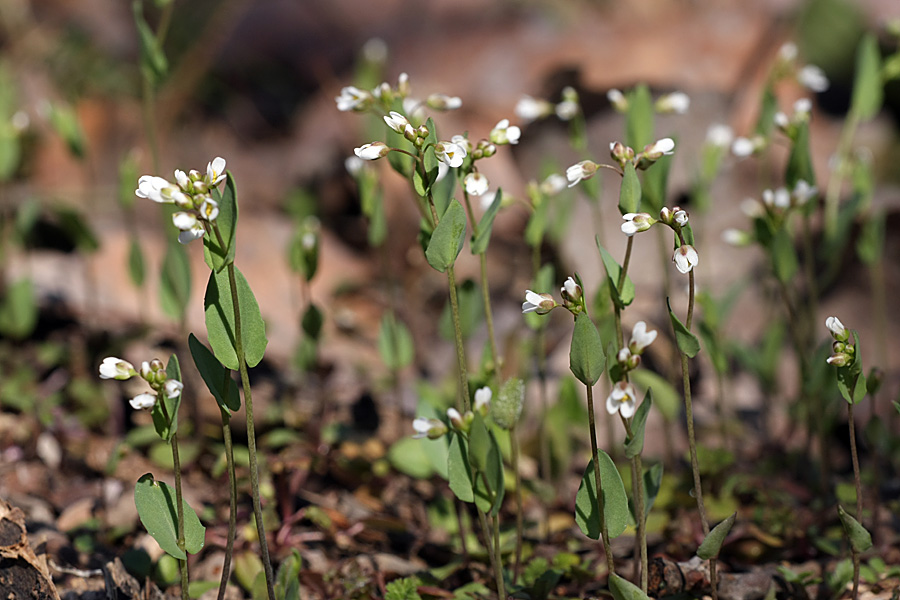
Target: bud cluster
point(153, 372)
point(651, 153)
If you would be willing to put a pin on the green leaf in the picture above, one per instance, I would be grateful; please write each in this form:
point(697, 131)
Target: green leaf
point(630, 192)
point(489, 482)
point(175, 281)
point(136, 269)
point(395, 343)
point(712, 543)
point(216, 255)
point(479, 444)
point(19, 310)
point(459, 474)
point(442, 191)
point(625, 296)
point(784, 258)
point(635, 445)
point(849, 375)
point(155, 502)
point(656, 183)
point(220, 320)
point(870, 245)
point(407, 456)
point(154, 65)
point(480, 242)
point(639, 118)
point(217, 378)
point(167, 427)
point(652, 484)
point(65, 122)
point(687, 341)
point(615, 502)
point(767, 111)
point(448, 238)
point(287, 580)
point(77, 228)
point(312, 322)
point(586, 357)
point(860, 539)
point(868, 89)
point(622, 589)
point(800, 161)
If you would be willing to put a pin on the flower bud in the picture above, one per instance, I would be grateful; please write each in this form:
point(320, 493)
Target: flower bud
point(837, 329)
point(571, 291)
point(539, 303)
point(483, 401)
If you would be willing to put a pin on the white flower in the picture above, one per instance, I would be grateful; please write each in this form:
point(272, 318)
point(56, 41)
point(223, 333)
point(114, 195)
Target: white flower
point(623, 355)
point(483, 400)
point(146, 370)
point(788, 51)
point(781, 120)
point(554, 184)
point(676, 102)
point(476, 184)
point(430, 428)
point(463, 142)
point(397, 122)
point(779, 198)
point(752, 208)
point(621, 399)
point(567, 110)
point(487, 199)
point(215, 171)
point(142, 401)
point(583, 170)
point(539, 303)
point(837, 329)
point(735, 237)
point(450, 153)
point(352, 98)
point(636, 223)
point(802, 108)
point(686, 258)
point(354, 165)
point(640, 337)
point(194, 233)
point(502, 133)
point(617, 99)
point(173, 388)
point(719, 135)
point(456, 419)
point(116, 368)
point(20, 120)
point(209, 210)
point(802, 192)
point(571, 289)
point(681, 217)
point(813, 78)
point(372, 151)
point(743, 147)
point(184, 221)
point(443, 102)
point(531, 109)
point(151, 187)
point(659, 148)
point(184, 182)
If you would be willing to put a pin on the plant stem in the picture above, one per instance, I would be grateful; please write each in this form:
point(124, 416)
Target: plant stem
point(498, 566)
point(457, 336)
point(520, 526)
point(595, 454)
point(232, 502)
point(859, 504)
point(541, 356)
point(488, 544)
point(637, 484)
point(179, 503)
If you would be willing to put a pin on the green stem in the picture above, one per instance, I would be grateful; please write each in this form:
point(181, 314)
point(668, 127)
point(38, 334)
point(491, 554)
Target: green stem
point(179, 503)
point(501, 584)
point(858, 484)
point(541, 357)
point(489, 546)
point(520, 525)
point(251, 428)
point(232, 502)
point(637, 484)
point(457, 335)
point(595, 454)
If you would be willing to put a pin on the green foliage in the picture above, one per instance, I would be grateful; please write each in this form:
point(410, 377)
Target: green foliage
point(860, 539)
point(620, 297)
point(586, 358)
point(868, 88)
point(630, 192)
point(287, 579)
point(458, 471)
point(136, 268)
point(395, 343)
point(656, 182)
point(639, 118)
point(155, 502)
point(635, 444)
point(622, 589)
point(166, 421)
point(65, 123)
point(18, 310)
point(220, 320)
point(154, 66)
point(800, 165)
point(448, 238)
point(312, 322)
point(480, 242)
point(219, 255)
point(217, 378)
point(666, 398)
point(615, 502)
point(687, 341)
point(405, 588)
point(712, 543)
point(175, 281)
point(784, 257)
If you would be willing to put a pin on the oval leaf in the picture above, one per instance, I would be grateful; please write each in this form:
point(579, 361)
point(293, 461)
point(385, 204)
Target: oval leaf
point(480, 242)
point(630, 192)
point(867, 85)
point(860, 539)
point(217, 378)
point(615, 502)
point(155, 503)
point(713, 542)
point(635, 445)
point(175, 281)
point(687, 341)
point(625, 296)
point(458, 471)
point(622, 589)
point(220, 320)
point(586, 357)
point(448, 237)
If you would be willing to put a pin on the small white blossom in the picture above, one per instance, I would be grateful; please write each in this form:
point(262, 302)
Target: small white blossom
point(476, 184)
point(686, 258)
point(20, 120)
point(209, 209)
point(116, 368)
point(659, 148)
point(743, 147)
point(456, 419)
point(142, 401)
point(531, 109)
point(352, 98)
point(354, 165)
point(443, 102)
point(623, 355)
point(503, 133)
point(719, 135)
point(372, 151)
point(182, 179)
point(151, 187)
point(566, 110)
point(736, 237)
point(430, 428)
point(788, 52)
point(194, 233)
point(676, 102)
point(779, 198)
point(463, 142)
point(837, 329)
point(215, 171)
point(621, 399)
point(813, 78)
point(681, 217)
point(554, 184)
point(483, 400)
point(397, 122)
point(487, 199)
point(640, 337)
point(636, 223)
point(752, 208)
point(781, 120)
point(803, 192)
point(571, 288)
point(539, 303)
point(450, 153)
point(583, 170)
point(184, 220)
point(802, 108)
point(173, 388)
point(617, 99)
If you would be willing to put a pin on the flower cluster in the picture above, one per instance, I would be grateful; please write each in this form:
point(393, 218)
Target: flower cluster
point(672, 103)
point(622, 397)
point(383, 96)
point(191, 192)
point(435, 428)
point(531, 109)
point(809, 76)
point(843, 352)
point(153, 372)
